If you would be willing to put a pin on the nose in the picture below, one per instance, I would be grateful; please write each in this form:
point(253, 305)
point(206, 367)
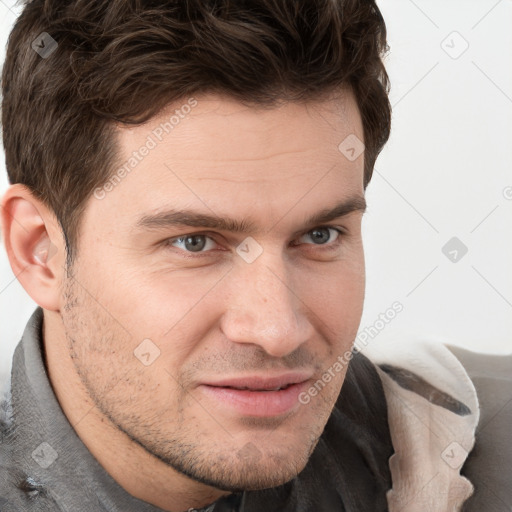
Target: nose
point(266, 310)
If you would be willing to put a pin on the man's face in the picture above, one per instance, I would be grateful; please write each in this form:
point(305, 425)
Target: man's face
point(167, 322)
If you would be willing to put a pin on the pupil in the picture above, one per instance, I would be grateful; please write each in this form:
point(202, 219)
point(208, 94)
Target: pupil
point(195, 243)
point(323, 231)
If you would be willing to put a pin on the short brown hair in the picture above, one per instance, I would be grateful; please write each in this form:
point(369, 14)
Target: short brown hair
point(124, 60)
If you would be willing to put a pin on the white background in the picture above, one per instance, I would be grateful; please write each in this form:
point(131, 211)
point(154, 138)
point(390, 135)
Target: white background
point(446, 172)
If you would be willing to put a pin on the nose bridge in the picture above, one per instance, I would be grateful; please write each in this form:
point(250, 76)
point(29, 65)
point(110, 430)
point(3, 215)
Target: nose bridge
point(264, 308)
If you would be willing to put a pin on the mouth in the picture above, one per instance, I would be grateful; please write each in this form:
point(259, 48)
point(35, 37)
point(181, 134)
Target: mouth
point(258, 389)
point(257, 396)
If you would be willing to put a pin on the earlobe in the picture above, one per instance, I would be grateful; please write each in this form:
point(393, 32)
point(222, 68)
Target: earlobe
point(34, 245)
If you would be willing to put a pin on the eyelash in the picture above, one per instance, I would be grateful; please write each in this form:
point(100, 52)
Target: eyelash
point(329, 246)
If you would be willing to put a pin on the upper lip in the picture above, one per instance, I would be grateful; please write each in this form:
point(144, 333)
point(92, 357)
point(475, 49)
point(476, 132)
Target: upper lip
point(262, 382)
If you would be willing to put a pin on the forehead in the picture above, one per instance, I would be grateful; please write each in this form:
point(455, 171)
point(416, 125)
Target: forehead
point(213, 153)
point(229, 130)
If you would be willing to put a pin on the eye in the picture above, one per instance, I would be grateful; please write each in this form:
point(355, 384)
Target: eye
point(192, 243)
point(322, 234)
point(202, 243)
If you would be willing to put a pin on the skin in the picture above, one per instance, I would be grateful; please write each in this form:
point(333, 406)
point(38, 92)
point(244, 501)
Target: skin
point(297, 306)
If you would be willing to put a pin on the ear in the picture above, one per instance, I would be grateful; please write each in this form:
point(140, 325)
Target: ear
point(35, 245)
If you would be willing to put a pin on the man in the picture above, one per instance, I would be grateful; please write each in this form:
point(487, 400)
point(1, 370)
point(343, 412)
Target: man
point(173, 165)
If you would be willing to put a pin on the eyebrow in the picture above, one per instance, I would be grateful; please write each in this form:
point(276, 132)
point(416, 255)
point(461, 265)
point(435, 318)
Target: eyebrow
point(193, 218)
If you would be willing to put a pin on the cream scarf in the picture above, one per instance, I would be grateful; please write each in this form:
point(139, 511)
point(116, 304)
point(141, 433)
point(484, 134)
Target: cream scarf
point(433, 413)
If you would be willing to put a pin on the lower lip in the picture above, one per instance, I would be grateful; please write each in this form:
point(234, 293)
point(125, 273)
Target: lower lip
point(257, 403)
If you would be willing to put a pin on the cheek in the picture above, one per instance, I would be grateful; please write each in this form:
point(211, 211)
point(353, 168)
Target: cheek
point(336, 294)
point(151, 302)
point(118, 371)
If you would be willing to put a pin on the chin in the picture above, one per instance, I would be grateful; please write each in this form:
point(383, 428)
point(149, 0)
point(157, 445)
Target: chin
point(248, 469)
point(257, 477)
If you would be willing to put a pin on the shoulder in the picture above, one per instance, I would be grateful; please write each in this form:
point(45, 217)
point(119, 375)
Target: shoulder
point(489, 465)
point(433, 413)
point(5, 448)
point(450, 412)
point(5, 406)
